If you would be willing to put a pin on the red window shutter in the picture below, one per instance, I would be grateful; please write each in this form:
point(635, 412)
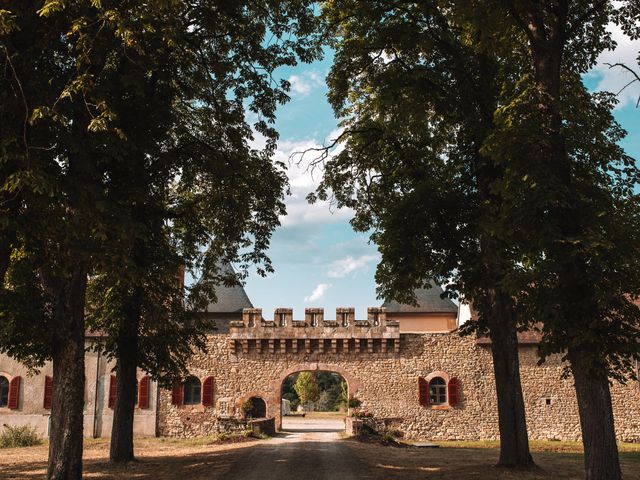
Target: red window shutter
point(453, 387)
point(207, 392)
point(143, 393)
point(14, 393)
point(48, 391)
point(423, 391)
point(112, 391)
point(176, 393)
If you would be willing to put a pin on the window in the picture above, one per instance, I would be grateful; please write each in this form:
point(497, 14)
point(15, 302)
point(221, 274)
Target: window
point(437, 391)
point(4, 391)
point(345, 319)
point(283, 320)
point(192, 391)
point(143, 393)
point(314, 319)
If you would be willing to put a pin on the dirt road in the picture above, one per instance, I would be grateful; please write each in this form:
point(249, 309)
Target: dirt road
point(307, 450)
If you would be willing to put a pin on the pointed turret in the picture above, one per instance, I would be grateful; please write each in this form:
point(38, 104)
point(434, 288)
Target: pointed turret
point(230, 299)
point(229, 303)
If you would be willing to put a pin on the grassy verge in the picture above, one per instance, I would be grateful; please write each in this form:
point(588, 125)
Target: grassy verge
point(536, 445)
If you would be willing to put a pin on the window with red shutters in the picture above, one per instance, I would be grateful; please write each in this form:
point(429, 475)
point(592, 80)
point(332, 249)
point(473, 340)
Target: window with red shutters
point(48, 391)
point(176, 393)
point(207, 392)
point(423, 391)
point(4, 391)
point(143, 393)
point(453, 387)
point(14, 393)
point(112, 391)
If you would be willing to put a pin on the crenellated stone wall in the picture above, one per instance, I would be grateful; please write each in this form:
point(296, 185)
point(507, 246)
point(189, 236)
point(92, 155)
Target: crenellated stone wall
point(387, 384)
point(251, 357)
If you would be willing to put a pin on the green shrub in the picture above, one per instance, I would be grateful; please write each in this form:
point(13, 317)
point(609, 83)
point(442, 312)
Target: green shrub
point(252, 434)
point(19, 436)
point(222, 436)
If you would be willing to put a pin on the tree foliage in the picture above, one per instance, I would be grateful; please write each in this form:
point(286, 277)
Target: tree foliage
point(475, 156)
point(127, 154)
point(306, 387)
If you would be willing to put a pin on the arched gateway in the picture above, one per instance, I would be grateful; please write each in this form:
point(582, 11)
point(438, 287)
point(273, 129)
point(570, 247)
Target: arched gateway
point(310, 345)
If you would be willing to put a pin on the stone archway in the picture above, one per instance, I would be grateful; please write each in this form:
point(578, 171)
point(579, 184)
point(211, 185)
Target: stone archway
point(274, 401)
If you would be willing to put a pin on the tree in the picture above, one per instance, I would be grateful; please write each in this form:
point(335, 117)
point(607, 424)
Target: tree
point(49, 181)
point(84, 198)
point(306, 387)
point(198, 129)
point(417, 97)
point(582, 212)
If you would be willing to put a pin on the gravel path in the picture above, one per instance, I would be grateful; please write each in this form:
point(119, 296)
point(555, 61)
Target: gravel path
point(307, 450)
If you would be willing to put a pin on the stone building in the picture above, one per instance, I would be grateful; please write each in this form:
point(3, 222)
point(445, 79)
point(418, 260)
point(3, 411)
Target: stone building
point(407, 364)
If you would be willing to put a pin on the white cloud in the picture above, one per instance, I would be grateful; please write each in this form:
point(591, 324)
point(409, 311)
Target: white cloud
point(318, 292)
point(614, 79)
point(345, 266)
point(301, 85)
point(303, 179)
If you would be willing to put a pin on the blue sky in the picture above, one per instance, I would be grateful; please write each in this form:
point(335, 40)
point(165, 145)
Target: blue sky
point(319, 260)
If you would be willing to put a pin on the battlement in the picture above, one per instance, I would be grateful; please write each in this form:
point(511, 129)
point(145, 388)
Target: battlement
point(345, 334)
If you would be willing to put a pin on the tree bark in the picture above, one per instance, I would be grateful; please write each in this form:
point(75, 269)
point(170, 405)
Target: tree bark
point(514, 440)
point(596, 419)
point(65, 438)
point(121, 448)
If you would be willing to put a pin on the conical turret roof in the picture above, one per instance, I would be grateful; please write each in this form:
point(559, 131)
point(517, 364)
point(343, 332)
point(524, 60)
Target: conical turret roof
point(230, 299)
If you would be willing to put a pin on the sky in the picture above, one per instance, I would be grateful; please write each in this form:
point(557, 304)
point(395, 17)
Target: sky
point(319, 260)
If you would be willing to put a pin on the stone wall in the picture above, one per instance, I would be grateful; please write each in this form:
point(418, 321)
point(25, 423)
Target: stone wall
point(387, 384)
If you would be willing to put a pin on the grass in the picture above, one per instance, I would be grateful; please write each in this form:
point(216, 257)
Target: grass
point(538, 446)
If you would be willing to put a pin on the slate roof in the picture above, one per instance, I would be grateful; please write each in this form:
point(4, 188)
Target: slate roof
point(429, 301)
point(230, 299)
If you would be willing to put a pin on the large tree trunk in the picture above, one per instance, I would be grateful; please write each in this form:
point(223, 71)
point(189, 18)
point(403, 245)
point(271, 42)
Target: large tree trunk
point(514, 440)
point(65, 438)
point(121, 449)
point(596, 419)
point(497, 306)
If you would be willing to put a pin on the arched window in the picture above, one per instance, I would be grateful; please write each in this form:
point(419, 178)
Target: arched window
point(192, 391)
point(437, 391)
point(4, 391)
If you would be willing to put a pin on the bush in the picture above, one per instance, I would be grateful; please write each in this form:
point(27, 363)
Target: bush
point(19, 436)
point(252, 434)
point(354, 402)
point(222, 436)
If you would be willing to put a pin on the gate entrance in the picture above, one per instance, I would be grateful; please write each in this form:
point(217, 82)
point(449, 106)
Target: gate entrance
point(314, 401)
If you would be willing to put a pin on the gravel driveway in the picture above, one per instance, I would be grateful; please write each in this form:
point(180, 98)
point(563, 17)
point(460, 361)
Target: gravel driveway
point(308, 449)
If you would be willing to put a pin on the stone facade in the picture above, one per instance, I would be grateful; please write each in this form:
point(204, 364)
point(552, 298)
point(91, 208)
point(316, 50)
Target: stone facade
point(251, 357)
point(387, 384)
